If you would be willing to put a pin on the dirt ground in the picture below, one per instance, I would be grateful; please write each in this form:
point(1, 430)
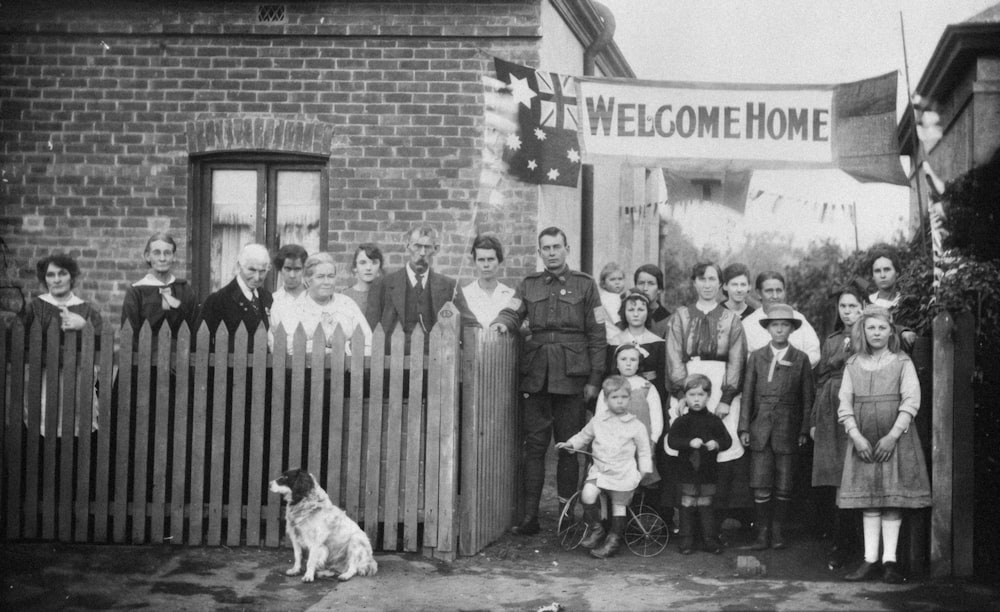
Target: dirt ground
point(514, 573)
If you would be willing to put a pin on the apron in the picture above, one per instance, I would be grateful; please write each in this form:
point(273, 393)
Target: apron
point(716, 372)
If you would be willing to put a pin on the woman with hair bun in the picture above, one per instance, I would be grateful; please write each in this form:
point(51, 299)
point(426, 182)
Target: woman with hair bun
point(159, 296)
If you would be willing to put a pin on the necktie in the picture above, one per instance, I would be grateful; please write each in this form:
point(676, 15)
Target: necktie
point(167, 299)
point(770, 371)
point(419, 287)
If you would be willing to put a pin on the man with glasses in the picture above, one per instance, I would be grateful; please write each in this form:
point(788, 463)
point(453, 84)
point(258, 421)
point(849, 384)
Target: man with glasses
point(413, 296)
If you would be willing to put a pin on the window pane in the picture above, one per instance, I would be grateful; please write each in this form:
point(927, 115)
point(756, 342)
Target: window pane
point(298, 208)
point(234, 209)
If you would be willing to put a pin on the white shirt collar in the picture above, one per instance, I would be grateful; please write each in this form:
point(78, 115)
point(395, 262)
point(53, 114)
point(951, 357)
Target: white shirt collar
point(779, 353)
point(410, 274)
point(247, 292)
point(150, 280)
point(72, 301)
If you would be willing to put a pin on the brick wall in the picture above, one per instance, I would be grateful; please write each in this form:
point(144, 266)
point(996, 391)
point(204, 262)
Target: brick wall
point(103, 103)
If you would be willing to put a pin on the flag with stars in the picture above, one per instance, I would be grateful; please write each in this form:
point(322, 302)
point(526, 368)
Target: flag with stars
point(545, 149)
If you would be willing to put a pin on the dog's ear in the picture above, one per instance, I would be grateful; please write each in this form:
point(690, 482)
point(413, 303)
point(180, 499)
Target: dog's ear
point(301, 485)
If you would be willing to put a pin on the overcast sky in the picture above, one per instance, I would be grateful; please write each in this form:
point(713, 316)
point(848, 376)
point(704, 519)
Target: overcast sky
point(790, 42)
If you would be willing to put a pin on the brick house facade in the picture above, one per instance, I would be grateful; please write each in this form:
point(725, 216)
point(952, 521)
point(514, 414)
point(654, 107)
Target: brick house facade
point(112, 113)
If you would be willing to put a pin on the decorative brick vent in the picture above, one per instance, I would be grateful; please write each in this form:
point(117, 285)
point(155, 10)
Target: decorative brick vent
point(271, 13)
point(259, 134)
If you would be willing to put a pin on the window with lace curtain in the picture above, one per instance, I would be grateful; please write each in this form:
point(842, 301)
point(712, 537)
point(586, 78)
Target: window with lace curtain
point(273, 200)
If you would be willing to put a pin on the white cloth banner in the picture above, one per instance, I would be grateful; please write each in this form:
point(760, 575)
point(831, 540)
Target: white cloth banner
point(750, 125)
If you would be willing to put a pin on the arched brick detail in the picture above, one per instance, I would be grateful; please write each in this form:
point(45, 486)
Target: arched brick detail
point(259, 134)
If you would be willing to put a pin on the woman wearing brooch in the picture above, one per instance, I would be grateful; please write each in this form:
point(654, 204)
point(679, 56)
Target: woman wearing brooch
point(705, 337)
point(159, 296)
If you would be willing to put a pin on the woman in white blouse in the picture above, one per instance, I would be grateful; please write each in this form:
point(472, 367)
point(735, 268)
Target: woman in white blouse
point(320, 305)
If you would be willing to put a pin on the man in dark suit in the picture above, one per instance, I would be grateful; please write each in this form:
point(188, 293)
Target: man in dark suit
point(414, 295)
point(244, 300)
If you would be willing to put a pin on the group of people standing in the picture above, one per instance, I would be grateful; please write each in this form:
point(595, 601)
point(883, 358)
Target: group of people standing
point(707, 407)
point(727, 394)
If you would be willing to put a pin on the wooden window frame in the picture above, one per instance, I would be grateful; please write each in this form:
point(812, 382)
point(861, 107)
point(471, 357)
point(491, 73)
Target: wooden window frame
point(267, 165)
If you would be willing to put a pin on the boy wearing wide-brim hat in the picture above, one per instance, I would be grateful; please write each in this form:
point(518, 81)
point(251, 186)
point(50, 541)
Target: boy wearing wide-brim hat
point(777, 392)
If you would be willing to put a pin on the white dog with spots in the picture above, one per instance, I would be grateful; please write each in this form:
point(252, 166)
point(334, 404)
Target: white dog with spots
point(312, 522)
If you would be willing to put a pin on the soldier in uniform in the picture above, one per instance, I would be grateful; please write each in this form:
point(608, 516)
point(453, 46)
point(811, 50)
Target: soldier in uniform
point(561, 368)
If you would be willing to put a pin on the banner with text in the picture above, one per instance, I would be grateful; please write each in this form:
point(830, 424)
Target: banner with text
point(700, 126)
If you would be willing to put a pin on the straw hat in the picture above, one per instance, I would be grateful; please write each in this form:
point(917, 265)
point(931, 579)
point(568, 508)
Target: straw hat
point(780, 312)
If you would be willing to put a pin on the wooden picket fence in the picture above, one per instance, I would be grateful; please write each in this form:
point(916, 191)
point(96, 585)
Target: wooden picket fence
point(419, 448)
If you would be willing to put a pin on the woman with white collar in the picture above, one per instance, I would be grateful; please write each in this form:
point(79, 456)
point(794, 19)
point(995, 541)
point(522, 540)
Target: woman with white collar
point(59, 306)
point(58, 273)
point(160, 296)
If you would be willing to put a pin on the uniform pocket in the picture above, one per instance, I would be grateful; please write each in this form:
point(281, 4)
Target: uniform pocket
point(530, 356)
point(571, 312)
point(577, 359)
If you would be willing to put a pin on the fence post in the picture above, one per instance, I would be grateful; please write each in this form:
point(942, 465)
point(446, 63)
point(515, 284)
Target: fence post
point(442, 419)
point(942, 446)
point(963, 471)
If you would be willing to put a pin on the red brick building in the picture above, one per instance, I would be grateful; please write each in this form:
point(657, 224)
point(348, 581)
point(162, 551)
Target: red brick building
point(325, 123)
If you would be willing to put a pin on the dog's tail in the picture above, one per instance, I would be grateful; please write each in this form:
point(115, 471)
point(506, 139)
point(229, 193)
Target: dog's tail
point(361, 557)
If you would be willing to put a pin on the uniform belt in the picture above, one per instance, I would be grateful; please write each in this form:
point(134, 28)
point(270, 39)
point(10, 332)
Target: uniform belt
point(551, 337)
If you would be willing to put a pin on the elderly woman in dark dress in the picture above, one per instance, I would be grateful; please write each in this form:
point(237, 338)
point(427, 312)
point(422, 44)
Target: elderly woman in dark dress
point(159, 296)
point(707, 338)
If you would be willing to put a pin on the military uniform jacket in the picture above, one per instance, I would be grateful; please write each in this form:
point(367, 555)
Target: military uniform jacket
point(566, 349)
point(775, 412)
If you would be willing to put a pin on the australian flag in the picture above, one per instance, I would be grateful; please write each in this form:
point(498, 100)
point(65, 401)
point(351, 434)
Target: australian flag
point(545, 150)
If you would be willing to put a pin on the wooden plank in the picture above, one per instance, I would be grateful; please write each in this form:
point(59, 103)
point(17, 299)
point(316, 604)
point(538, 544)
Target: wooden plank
point(432, 454)
point(394, 437)
point(272, 513)
point(161, 436)
point(468, 536)
point(444, 344)
point(65, 433)
point(256, 476)
point(942, 465)
point(373, 473)
point(963, 469)
point(317, 363)
point(337, 448)
point(140, 456)
point(182, 406)
point(412, 500)
point(36, 416)
point(122, 459)
point(199, 437)
point(355, 427)
point(238, 410)
point(85, 410)
point(217, 456)
point(15, 416)
point(51, 436)
point(101, 508)
point(296, 406)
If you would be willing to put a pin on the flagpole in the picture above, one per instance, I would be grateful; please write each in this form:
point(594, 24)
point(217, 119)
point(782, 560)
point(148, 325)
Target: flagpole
point(925, 237)
point(854, 222)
